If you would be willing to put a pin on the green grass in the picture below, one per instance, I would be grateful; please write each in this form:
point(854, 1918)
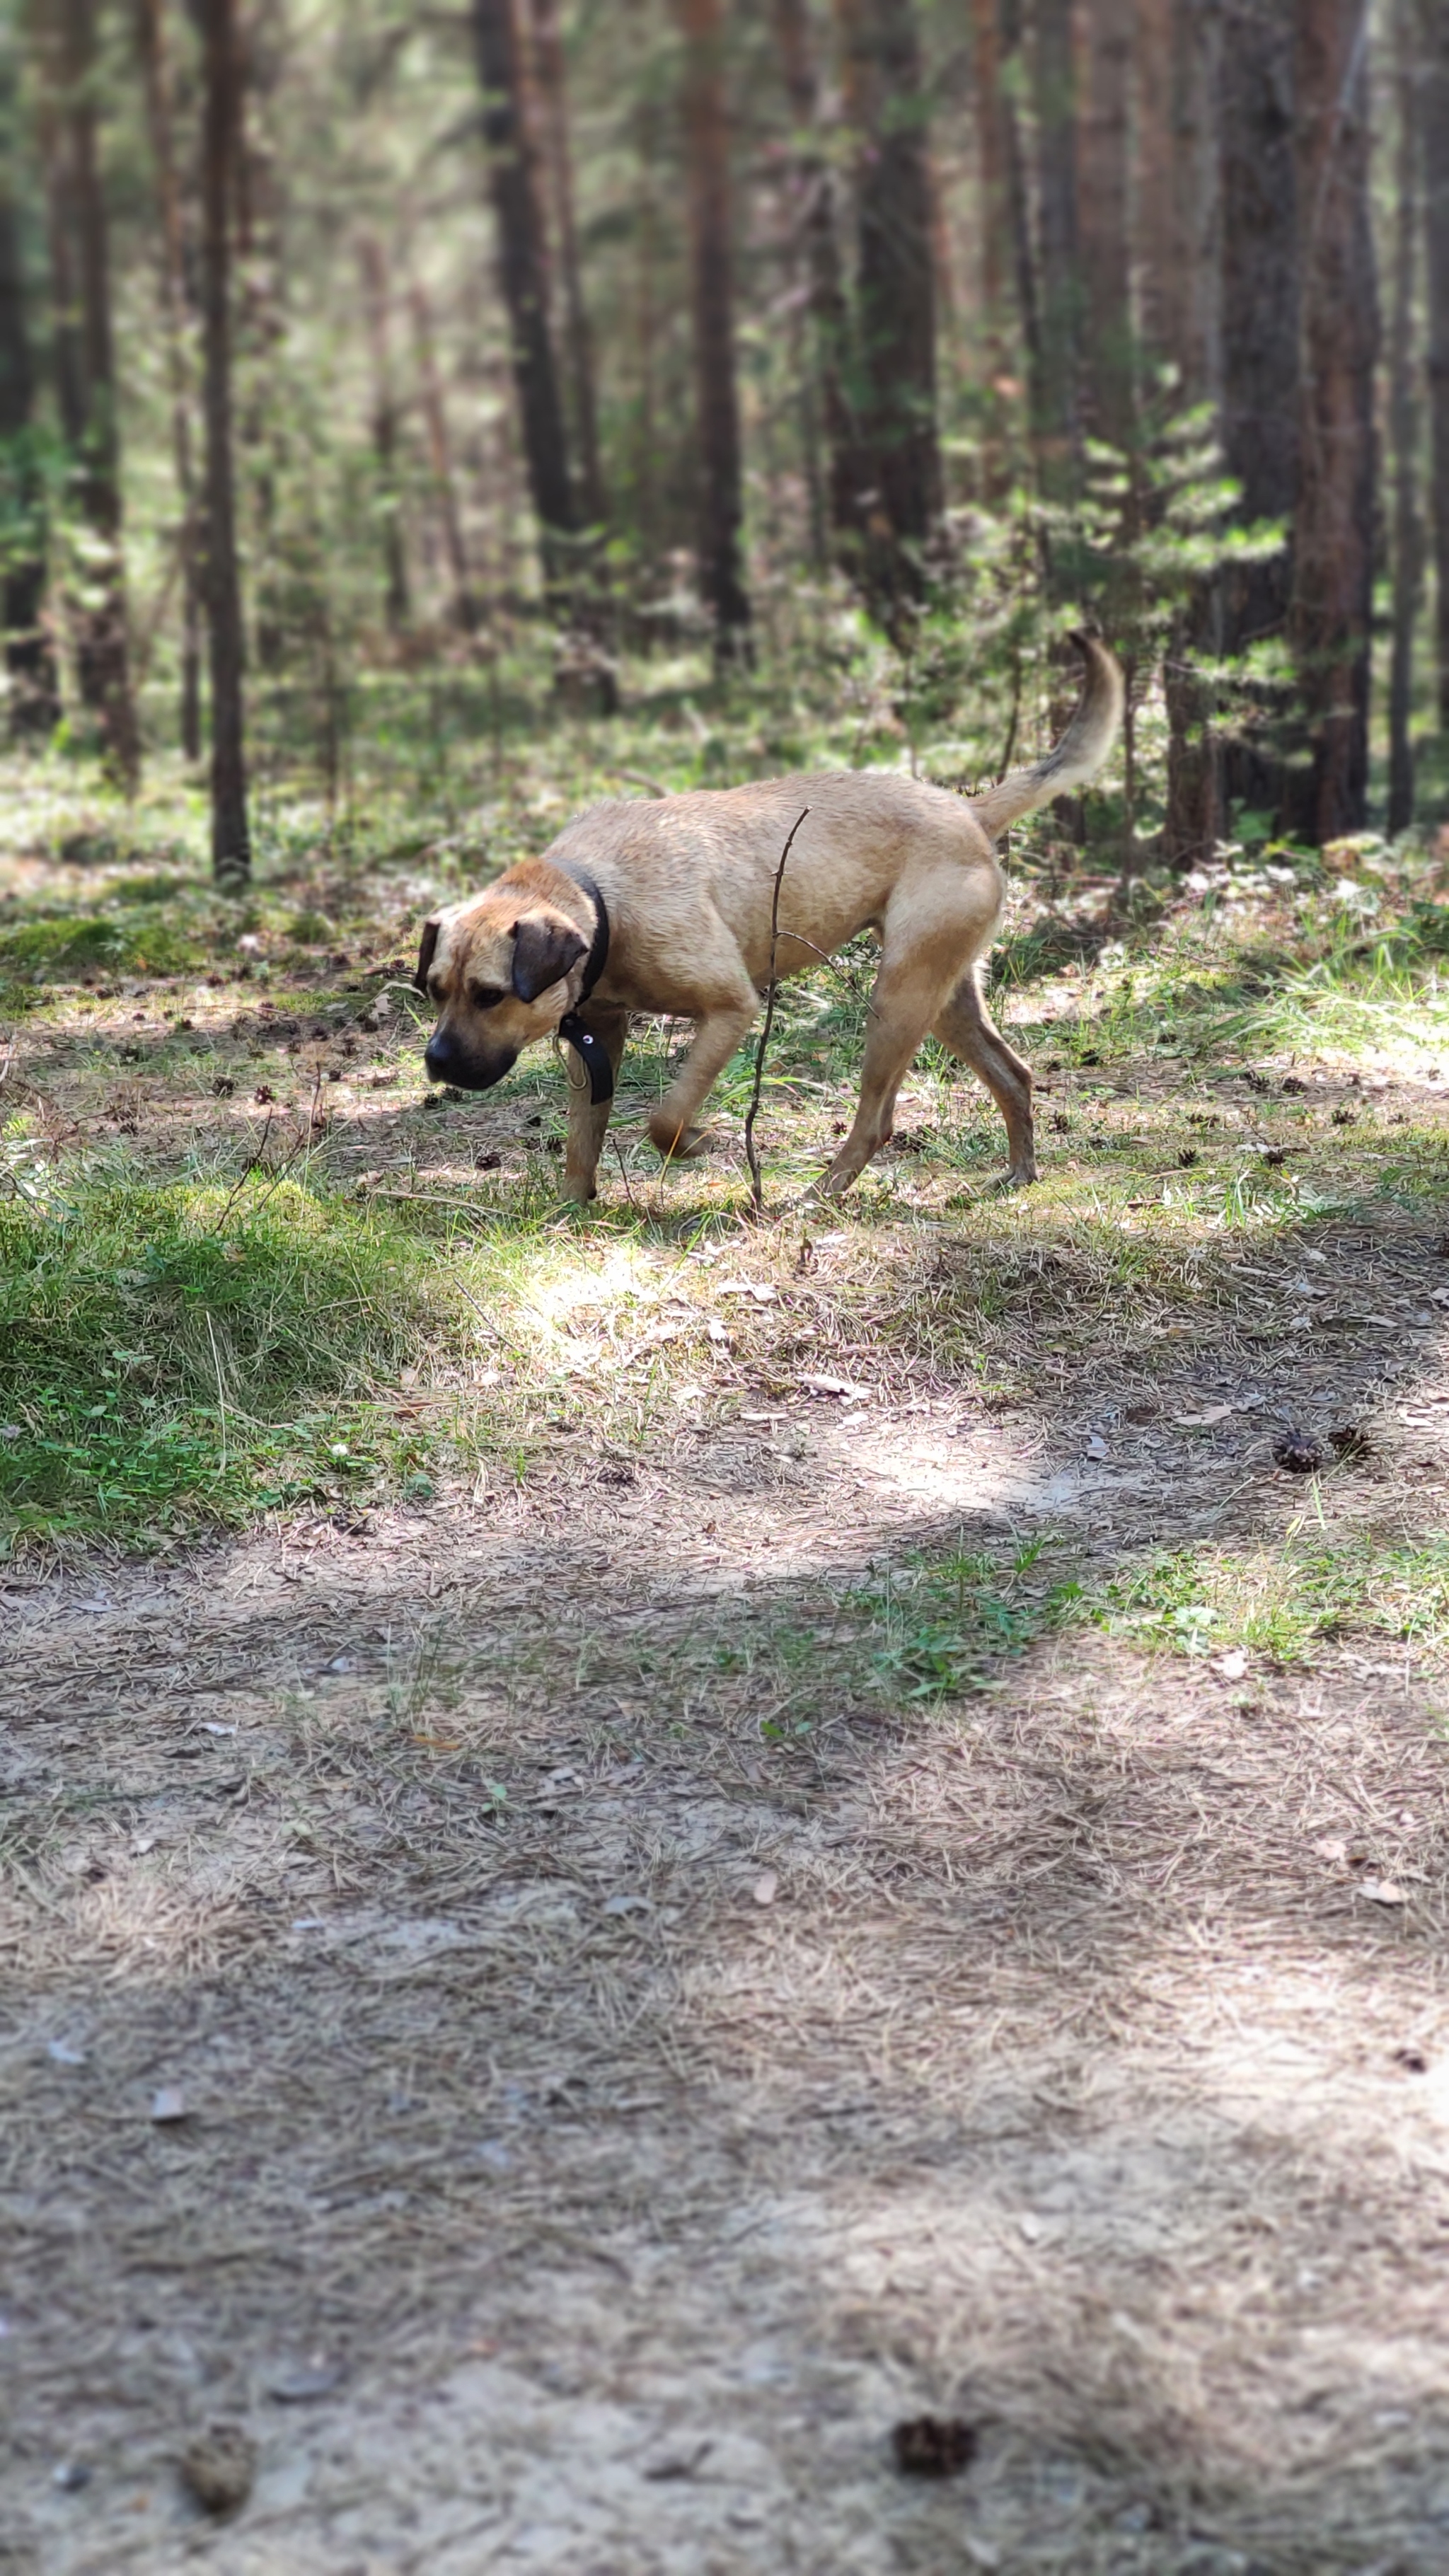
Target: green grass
point(63, 946)
point(920, 1630)
point(169, 1363)
point(1279, 1603)
point(937, 1627)
point(175, 1356)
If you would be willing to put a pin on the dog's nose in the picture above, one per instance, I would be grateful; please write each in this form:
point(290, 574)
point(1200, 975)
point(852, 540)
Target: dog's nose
point(440, 1057)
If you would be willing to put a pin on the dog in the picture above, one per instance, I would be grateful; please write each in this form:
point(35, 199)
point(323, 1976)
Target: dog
point(680, 906)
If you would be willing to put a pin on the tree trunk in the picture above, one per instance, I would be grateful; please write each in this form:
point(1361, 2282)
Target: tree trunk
point(1434, 109)
point(1018, 198)
point(644, 477)
point(1104, 167)
point(1333, 520)
point(1179, 205)
point(29, 651)
point(230, 839)
point(151, 34)
point(1055, 407)
point(897, 304)
point(1162, 268)
point(465, 606)
point(1177, 225)
point(553, 91)
point(706, 136)
point(1404, 424)
point(384, 433)
point(102, 659)
point(846, 473)
point(513, 173)
point(993, 153)
point(991, 163)
point(1187, 202)
point(1257, 351)
point(281, 610)
point(792, 39)
point(1261, 292)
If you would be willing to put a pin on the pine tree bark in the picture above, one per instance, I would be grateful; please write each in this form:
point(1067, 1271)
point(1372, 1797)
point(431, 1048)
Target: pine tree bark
point(396, 604)
point(845, 476)
point(643, 475)
point(1104, 166)
point(706, 138)
point(1162, 267)
point(523, 260)
point(1018, 199)
point(896, 296)
point(1261, 298)
point(60, 230)
point(579, 341)
point(1404, 426)
point(1189, 333)
point(102, 652)
point(1434, 110)
point(1179, 205)
point(1327, 795)
point(1055, 407)
point(34, 704)
point(991, 165)
point(230, 833)
point(994, 142)
point(156, 70)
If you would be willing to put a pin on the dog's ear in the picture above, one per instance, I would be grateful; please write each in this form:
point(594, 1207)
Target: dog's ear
point(425, 953)
point(545, 946)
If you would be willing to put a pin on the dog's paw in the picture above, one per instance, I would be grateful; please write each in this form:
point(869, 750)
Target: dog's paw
point(685, 1145)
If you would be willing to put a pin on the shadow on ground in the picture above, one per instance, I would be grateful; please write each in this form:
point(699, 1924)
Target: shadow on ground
point(626, 2061)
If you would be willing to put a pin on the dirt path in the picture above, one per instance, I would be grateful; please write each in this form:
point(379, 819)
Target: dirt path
point(625, 2066)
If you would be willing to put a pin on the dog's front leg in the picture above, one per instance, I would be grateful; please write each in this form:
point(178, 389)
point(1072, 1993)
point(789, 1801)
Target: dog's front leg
point(588, 1120)
point(716, 1036)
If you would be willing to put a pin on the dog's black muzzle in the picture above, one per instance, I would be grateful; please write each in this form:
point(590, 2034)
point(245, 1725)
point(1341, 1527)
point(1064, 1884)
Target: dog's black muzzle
point(446, 1061)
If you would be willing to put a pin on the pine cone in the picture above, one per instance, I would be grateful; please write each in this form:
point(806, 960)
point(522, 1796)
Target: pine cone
point(933, 2446)
point(1300, 1455)
point(219, 2467)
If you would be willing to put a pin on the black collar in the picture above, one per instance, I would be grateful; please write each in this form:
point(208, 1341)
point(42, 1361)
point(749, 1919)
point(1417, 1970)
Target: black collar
point(590, 1049)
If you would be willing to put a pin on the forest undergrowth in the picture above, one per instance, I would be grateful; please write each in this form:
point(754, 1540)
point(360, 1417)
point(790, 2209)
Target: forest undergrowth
point(726, 1829)
point(254, 1264)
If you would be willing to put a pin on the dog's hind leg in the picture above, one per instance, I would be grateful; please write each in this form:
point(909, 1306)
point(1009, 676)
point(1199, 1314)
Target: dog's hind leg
point(588, 1120)
point(900, 1016)
point(966, 1027)
point(716, 1036)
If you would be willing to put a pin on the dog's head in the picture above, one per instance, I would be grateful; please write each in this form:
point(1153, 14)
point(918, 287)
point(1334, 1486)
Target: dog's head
point(497, 970)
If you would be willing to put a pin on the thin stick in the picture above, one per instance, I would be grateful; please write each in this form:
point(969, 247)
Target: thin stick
point(838, 971)
point(246, 1173)
point(1010, 747)
point(220, 1384)
point(757, 1192)
point(624, 1177)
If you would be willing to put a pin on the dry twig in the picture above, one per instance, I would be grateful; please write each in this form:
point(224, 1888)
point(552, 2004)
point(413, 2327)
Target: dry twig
point(757, 1193)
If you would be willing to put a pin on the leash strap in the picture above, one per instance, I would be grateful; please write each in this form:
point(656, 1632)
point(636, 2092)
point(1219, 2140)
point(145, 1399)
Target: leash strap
point(590, 1050)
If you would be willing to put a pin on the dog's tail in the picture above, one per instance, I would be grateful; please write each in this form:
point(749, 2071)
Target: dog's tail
point(1076, 758)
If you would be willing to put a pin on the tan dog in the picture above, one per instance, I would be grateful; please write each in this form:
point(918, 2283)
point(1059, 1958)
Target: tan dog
point(666, 907)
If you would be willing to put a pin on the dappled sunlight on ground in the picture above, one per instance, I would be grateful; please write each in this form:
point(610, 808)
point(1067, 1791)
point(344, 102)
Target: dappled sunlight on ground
point(618, 2107)
point(715, 1834)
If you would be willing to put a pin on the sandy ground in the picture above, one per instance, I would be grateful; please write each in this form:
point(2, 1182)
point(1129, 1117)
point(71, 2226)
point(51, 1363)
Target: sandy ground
point(596, 2121)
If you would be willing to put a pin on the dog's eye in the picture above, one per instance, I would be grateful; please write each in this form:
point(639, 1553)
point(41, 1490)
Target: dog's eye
point(485, 997)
